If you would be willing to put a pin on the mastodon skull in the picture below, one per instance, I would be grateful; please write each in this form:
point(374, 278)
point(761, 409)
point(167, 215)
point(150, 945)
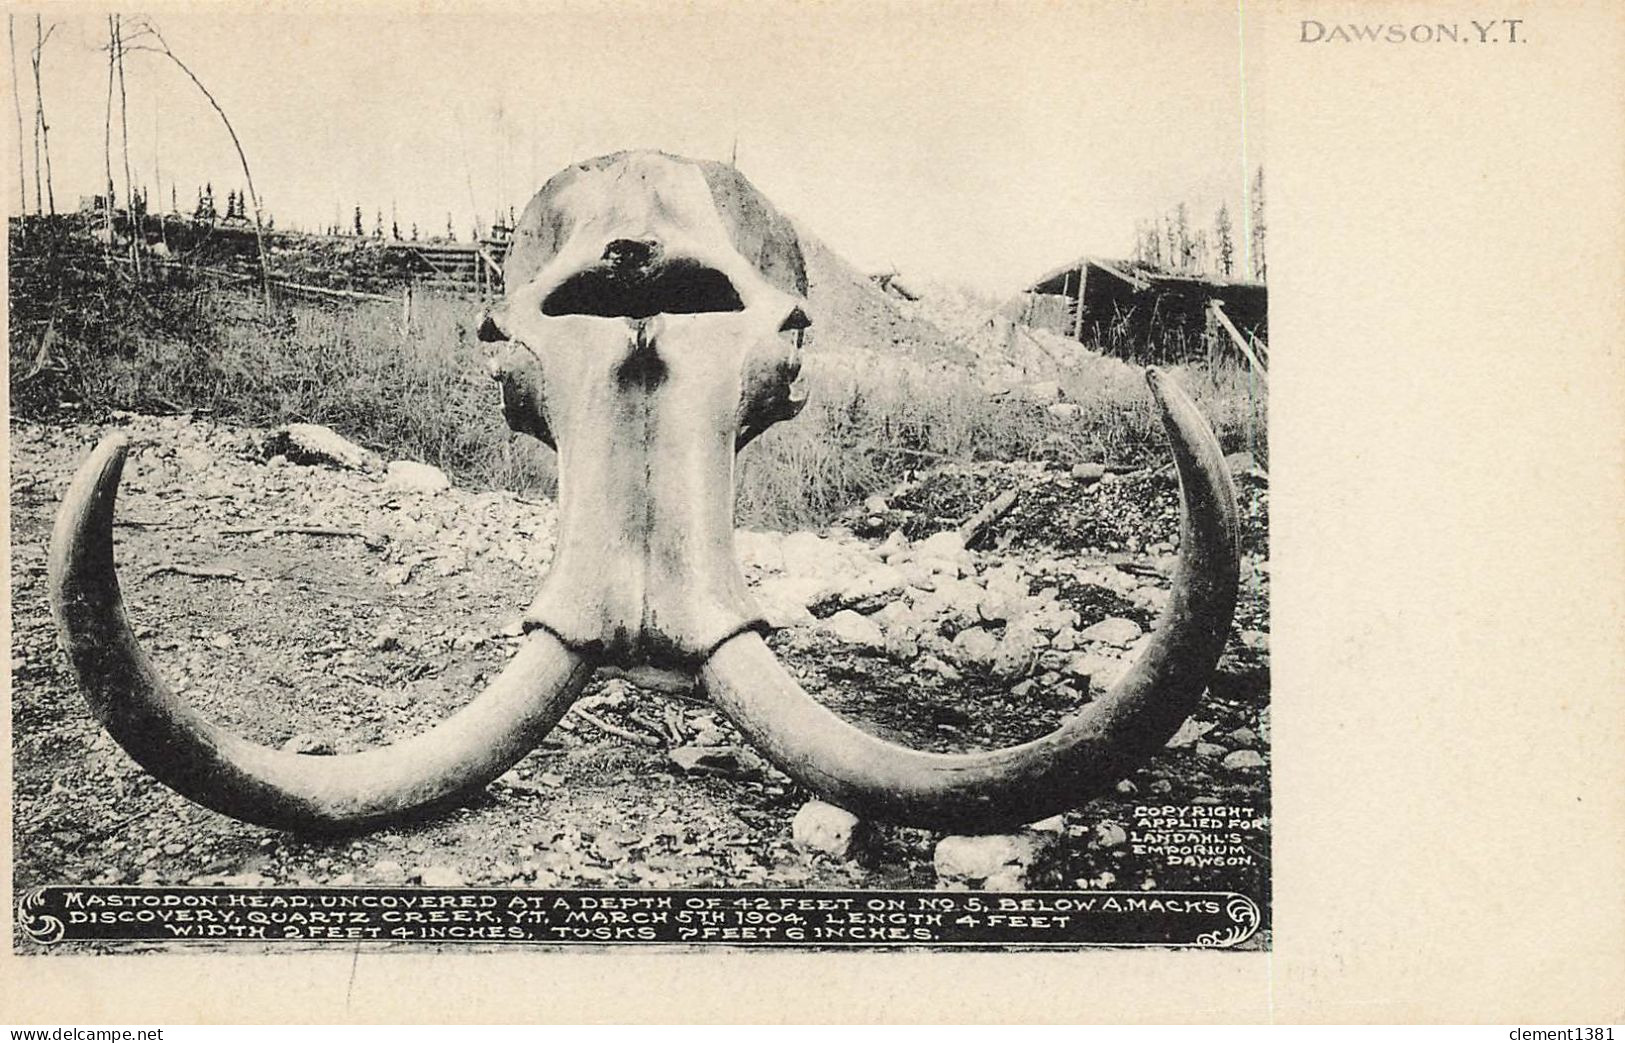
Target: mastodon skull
point(652, 326)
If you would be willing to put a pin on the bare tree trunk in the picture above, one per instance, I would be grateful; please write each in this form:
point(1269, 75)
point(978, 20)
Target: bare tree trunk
point(39, 102)
point(17, 103)
point(136, 232)
point(107, 134)
point(39, 121)
point(253, 194)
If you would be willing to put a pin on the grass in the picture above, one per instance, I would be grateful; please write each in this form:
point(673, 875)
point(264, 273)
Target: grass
point(422, 393)
point(870, 422)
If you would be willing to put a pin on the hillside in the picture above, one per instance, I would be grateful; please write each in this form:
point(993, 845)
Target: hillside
point(853, 316)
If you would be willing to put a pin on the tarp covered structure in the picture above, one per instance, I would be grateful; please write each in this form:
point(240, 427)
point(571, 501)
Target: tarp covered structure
point(1143, 315)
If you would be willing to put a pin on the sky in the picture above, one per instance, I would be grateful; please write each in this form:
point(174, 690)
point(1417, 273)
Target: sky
point(974, 143)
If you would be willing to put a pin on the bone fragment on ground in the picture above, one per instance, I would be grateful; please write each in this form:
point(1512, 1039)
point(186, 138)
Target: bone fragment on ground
point(996, 861)
point(409, 476)
point(830, 830)
point(315, 444)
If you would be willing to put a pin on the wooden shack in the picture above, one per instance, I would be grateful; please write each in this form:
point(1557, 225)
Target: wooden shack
point(1142, 315)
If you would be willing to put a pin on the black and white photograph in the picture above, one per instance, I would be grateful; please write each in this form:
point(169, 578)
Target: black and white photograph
point(803, 485)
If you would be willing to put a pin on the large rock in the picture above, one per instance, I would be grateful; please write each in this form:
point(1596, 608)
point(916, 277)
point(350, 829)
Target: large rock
point(1017, 652)
point(897, 615)
point(945, 545)
point(975, 646)
point(917, 574)
point(873, 589)
point(315, 444)
point(409, 476)
point(856, 629)
point(726, 761)
point(956, 601)
point(785, 600)
point(996, 862)
point(930, 664)
point(830, 830)
point(388, 872)
point(1188, 733)
point(1001, 603)
point(1109, 834)
point(1114, 631)
point(1243, 465)
point(1243, 760)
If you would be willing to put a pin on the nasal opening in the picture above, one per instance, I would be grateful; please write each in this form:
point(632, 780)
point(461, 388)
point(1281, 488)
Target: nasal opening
point(636, 280)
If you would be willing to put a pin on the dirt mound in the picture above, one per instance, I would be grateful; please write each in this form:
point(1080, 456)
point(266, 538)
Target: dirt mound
point(853, 316)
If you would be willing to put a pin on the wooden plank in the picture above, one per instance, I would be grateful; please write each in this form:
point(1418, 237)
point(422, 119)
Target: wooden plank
point(1241, 342)
point(972, 529)
point(323, 291)
point(1077, 319)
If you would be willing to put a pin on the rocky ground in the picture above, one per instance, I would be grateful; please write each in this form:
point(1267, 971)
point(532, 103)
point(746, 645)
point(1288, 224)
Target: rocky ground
point(326, 609)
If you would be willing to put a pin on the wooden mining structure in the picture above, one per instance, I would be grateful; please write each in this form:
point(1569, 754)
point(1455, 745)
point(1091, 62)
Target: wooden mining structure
point(355, 262)
point(1142, 315)
point(476, 267)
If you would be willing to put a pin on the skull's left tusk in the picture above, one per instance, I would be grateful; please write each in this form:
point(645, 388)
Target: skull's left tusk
point(219, 770)
point(1018, 784)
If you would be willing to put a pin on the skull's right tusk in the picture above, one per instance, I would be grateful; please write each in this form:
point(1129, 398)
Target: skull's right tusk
point(1025, 783)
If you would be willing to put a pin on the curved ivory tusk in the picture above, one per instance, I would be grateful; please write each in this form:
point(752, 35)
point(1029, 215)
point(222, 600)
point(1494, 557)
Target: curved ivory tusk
point(1018, 784)
point(209, 765)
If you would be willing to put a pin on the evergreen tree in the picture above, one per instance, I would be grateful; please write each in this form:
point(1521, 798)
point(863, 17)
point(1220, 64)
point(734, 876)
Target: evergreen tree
point(205, 204)
point(1183, 249)
point(1226, 245)
point(358, 230)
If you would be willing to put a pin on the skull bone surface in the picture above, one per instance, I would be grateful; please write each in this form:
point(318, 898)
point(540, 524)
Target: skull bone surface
point(653, 325)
